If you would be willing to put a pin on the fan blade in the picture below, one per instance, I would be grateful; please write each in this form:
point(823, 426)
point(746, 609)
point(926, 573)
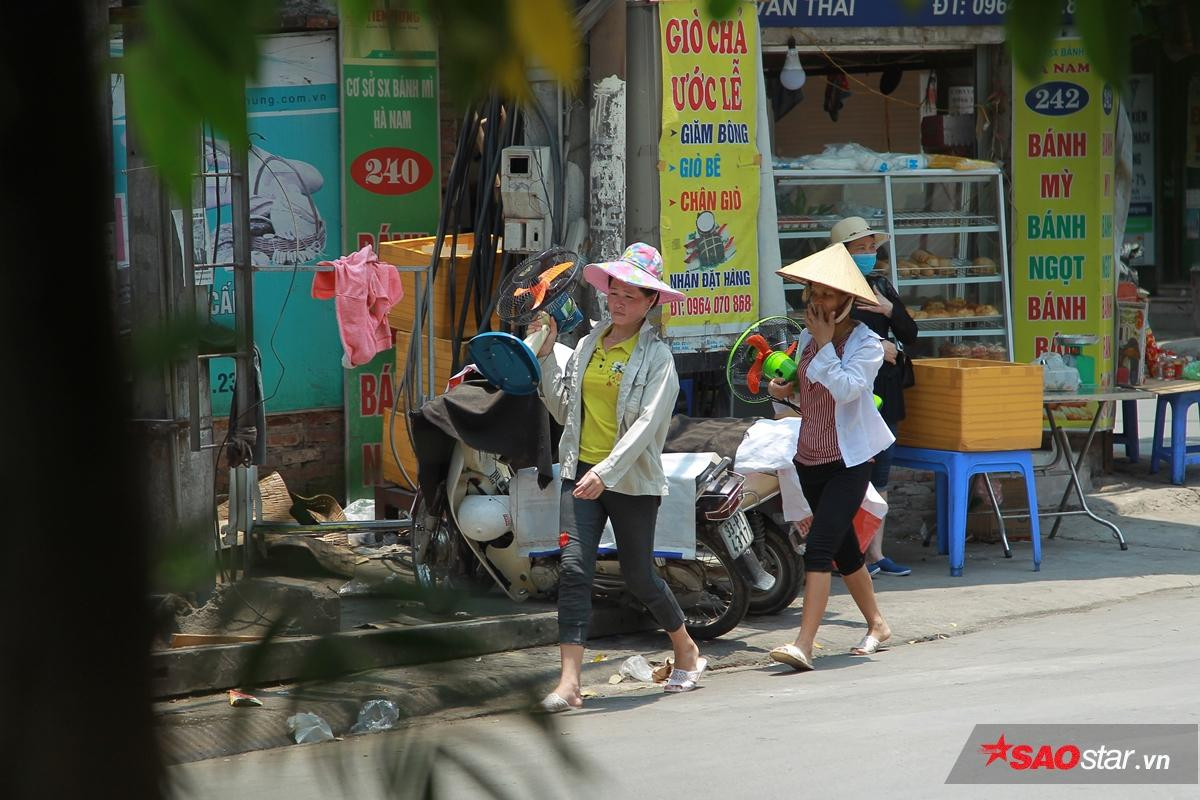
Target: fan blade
point(791, 351)
point(538, 290)
point(754, 376)
point(555, 271)
point(759, 343)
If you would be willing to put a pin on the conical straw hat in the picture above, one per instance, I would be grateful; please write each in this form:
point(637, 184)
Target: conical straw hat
point(832, 267)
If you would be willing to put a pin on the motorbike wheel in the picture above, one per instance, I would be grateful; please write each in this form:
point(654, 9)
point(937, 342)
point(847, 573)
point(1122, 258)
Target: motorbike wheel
point(779, 559)
point(436, 576)
point(725, 597)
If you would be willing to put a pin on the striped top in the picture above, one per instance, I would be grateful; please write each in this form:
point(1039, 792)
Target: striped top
point(818, 434)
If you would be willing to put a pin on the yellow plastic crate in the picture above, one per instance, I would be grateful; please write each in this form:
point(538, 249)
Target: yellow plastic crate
point(419, 252)
point(970, 405)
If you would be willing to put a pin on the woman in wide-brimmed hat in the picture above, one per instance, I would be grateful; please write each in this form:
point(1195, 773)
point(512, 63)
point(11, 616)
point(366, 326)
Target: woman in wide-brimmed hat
point(841, 433)
point(888, 317)
point(614, 401)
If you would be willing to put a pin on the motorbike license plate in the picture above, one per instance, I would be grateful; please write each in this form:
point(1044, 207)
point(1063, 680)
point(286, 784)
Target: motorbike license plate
point(737, 534)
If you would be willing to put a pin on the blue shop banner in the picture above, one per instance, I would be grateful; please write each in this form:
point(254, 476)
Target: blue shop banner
point(879, 13)
point(295, 221)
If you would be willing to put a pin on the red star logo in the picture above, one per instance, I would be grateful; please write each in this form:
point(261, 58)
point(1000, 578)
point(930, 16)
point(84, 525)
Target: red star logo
point(996, 751)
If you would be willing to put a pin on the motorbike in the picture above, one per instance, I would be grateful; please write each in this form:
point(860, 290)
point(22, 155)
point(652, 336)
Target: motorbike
point(777, 544)
point(464, 539)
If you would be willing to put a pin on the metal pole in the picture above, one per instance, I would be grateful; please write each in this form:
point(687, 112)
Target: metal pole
point(642, 124)
point(243, 280)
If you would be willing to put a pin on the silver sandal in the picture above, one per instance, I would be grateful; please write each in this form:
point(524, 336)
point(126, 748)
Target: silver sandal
point(686, 680)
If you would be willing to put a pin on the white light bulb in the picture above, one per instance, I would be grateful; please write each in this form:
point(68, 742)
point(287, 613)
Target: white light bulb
point(792, 75)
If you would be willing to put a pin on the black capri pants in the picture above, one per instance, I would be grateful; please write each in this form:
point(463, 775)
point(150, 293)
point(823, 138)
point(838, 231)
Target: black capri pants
point(835, 492)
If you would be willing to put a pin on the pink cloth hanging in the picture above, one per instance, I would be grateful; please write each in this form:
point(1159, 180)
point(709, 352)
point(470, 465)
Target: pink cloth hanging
point(364, 290)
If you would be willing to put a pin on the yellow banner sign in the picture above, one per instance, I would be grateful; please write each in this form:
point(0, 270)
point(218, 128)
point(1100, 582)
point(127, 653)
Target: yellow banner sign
point(709, 167)
point(1064, 124)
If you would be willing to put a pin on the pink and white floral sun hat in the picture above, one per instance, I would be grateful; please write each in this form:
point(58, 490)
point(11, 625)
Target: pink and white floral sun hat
point(640, 265)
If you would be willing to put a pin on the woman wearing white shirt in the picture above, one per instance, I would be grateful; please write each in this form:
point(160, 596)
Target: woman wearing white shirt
point(842, 431)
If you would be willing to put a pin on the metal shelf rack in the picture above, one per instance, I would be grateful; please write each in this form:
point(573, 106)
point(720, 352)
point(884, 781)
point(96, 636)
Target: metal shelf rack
point(979, 211)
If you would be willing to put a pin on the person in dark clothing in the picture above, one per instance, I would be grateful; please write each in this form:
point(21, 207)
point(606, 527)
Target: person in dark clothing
point(888, 318)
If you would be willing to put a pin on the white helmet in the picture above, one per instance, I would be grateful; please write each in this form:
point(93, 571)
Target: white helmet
point(484, 517)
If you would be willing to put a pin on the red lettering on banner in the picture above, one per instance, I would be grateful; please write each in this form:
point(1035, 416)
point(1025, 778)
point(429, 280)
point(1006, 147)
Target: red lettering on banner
point(372, 464)
point(368, 402)
point(701, 200)
point(1057, 145)
point(1057, 185)
point(1062, 307)
point(726, 36)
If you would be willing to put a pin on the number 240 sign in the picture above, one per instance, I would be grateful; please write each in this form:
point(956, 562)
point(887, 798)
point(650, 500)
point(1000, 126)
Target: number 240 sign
point(391, 170)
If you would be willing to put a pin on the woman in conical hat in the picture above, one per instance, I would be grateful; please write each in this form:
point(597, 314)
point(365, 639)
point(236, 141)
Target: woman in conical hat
point(841, 433)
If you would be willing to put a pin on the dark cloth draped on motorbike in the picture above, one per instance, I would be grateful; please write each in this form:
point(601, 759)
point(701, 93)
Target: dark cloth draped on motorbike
point(722, 436)
point(517, 428)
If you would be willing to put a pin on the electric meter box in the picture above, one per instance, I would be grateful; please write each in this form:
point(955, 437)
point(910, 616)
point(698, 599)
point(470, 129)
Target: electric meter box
point(526, 176)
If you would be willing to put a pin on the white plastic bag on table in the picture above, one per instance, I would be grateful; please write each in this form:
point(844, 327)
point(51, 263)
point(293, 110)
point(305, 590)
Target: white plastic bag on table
point(1057, 375)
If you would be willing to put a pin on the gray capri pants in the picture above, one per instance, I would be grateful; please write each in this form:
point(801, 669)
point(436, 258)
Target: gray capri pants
point(633, 518)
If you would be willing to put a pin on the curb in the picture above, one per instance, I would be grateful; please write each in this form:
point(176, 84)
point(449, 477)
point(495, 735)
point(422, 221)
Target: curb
point(204, 670)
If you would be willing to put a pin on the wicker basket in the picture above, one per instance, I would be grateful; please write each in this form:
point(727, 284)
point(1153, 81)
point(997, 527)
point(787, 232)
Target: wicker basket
point(276, 501)
point(320, 508)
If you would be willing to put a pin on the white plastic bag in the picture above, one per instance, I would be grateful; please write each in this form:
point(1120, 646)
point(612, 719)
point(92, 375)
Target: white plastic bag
point(1057, 375)
point(360, 510)
point(376, 715)
point(638, 668)
point(305, 727)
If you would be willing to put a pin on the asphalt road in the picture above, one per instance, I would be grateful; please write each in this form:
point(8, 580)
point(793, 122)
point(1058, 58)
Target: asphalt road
point(892, 724)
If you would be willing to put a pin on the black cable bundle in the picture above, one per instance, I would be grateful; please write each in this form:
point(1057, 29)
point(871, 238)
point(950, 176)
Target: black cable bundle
point(488, 227)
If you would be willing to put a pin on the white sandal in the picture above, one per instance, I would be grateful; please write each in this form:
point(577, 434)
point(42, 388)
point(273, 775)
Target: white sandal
point(686, 680)
point(792, 656)
point(553, 704)
point(868, 645)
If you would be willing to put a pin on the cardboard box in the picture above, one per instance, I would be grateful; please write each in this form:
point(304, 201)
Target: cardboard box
point(970, 405)
point(449, 295)
point(1133, 319)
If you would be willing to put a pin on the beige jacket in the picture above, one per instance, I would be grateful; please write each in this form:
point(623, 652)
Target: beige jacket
point(645, 402)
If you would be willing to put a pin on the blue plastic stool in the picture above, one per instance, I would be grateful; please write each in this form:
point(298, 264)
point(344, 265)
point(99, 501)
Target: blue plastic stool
point(1129, 431)
point(952, 474)
point(1178, 451)
point(687, 394)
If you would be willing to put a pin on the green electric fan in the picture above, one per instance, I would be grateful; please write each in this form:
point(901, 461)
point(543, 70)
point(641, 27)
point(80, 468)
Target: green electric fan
point(765, 351)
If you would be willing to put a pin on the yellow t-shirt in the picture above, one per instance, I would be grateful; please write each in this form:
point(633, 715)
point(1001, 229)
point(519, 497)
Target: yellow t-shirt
point(601, 383)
